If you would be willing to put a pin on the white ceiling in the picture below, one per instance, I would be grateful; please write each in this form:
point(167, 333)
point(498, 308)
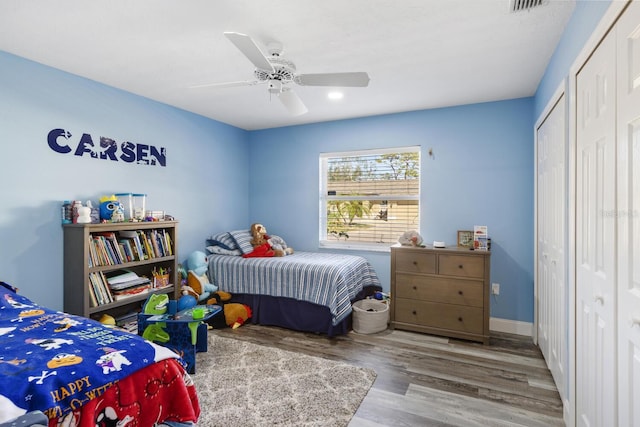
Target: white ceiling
point(419, 54)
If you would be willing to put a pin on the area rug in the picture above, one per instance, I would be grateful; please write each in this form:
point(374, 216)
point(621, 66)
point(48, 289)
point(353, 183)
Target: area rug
point(244, 384)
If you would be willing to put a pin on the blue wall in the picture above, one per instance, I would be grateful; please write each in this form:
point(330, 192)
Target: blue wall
point(200, 185)
point(481, 173)
point(219, 178)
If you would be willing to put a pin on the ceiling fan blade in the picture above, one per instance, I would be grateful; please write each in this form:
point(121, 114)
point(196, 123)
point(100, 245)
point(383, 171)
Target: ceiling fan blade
point(250, 49)
point(358, 79)
point(292, 102)
point(227, 84)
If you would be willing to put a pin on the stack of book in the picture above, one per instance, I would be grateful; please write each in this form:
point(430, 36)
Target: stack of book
point(128, 322)
point(125, 283)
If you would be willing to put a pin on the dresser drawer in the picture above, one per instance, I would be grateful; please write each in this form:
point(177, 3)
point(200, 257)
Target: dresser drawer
point(446, 316)
point(416, 262)
point(461, 265)
point(440, 289)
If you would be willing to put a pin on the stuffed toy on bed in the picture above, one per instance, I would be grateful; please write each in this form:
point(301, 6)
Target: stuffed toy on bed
point(198, 284)
point(265, 245)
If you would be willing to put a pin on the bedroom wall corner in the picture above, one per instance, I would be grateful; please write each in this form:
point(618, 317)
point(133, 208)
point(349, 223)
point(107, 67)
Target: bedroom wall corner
point(200, 184)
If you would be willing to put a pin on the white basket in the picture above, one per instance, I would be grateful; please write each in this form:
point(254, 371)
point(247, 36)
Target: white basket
point(370, 316)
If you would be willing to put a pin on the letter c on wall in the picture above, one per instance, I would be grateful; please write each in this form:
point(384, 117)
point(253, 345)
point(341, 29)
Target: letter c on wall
point(52, 139)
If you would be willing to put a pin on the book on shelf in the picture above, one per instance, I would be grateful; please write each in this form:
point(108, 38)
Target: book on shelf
point(92, 296)
point(132, 291)
point(133, 236)
point(168, 242)
point(126, 283)
point(147, 245)
point(98, 282)
point(128, 321)
point(121, 276)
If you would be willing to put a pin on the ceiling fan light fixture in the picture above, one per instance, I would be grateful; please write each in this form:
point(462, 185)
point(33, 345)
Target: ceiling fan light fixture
point(335, 95)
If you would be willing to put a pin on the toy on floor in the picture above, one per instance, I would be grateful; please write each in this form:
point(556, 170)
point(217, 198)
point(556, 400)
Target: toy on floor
point(197, 281)
point(235, 314)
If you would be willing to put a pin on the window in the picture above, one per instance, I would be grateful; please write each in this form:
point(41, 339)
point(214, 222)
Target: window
point(369, 198)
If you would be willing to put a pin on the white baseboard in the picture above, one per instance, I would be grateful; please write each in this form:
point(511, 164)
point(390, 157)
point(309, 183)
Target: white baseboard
point(511, 326)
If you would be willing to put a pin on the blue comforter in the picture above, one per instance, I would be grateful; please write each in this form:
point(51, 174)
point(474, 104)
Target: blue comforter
point(55, 362)
point(326, 279)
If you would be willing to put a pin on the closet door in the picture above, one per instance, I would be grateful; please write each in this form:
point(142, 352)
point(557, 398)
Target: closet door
point(596, 384)
point(551, 229)
point(628, 214)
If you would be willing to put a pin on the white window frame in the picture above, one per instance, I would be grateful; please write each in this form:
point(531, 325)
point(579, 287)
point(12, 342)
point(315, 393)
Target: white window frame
point(324, 242)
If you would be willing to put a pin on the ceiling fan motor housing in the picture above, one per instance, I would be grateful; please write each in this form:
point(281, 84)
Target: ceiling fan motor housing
point(284, 70)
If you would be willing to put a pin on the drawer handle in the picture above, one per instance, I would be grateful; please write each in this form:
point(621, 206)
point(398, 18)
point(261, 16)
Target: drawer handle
point(460, 266)
point(459, 319)
point(459, 292)
point(415, 288)
point(415, 262)
point(414, 312)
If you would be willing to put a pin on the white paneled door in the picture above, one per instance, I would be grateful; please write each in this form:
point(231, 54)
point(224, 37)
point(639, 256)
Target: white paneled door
point(628, 215)
point(596, 374)
point(551, 233)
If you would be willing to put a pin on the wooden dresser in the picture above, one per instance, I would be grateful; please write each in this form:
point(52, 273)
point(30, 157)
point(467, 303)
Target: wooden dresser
point(441, 291)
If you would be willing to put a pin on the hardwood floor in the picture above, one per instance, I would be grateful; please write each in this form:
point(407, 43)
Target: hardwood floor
point(424, 380)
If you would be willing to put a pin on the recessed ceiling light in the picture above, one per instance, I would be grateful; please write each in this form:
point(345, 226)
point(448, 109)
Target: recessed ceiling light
point(335, 95)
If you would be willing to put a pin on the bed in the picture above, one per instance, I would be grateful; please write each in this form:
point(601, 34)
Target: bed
point(79, 372)
point(306, 291)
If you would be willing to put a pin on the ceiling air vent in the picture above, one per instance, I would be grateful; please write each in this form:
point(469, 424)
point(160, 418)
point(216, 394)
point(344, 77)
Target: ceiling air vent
point(519, 5)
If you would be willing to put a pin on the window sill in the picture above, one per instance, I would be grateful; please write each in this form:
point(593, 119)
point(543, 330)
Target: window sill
point(353, 246)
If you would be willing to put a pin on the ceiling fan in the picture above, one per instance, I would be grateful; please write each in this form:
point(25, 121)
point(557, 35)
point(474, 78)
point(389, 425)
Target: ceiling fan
point(278, 72)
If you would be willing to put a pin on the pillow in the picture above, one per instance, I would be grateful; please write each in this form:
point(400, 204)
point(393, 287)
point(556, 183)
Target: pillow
point(219, 250)
point(243, 240)
point(224, 240)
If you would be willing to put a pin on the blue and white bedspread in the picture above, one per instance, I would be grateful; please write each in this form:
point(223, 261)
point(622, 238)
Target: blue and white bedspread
point(326, 279)
point(55, 362)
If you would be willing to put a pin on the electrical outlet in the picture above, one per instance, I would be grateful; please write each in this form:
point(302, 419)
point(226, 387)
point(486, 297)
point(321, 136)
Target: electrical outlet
point(495, 288)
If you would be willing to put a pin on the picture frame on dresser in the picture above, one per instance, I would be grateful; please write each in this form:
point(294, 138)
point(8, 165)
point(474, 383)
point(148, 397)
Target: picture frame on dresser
point(465, 238)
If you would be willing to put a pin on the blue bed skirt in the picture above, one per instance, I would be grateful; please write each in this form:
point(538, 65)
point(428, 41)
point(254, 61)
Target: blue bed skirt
point(297, 315)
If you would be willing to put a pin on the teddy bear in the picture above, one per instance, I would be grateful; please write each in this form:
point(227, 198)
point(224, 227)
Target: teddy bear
point(265, 245)
point(198, 284)
point(278, 244)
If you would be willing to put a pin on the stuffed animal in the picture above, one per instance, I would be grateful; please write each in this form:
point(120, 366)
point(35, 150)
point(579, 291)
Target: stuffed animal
point(265, 245)
point(410, 238)
point(235, 314)
point(278, 244)
point(197, 281)
point(258, 233)
point(109, 205)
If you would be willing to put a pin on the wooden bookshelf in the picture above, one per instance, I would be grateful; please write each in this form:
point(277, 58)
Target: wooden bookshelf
point(88, 256)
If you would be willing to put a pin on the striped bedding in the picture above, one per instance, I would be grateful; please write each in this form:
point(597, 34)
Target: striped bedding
point(330, 280)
